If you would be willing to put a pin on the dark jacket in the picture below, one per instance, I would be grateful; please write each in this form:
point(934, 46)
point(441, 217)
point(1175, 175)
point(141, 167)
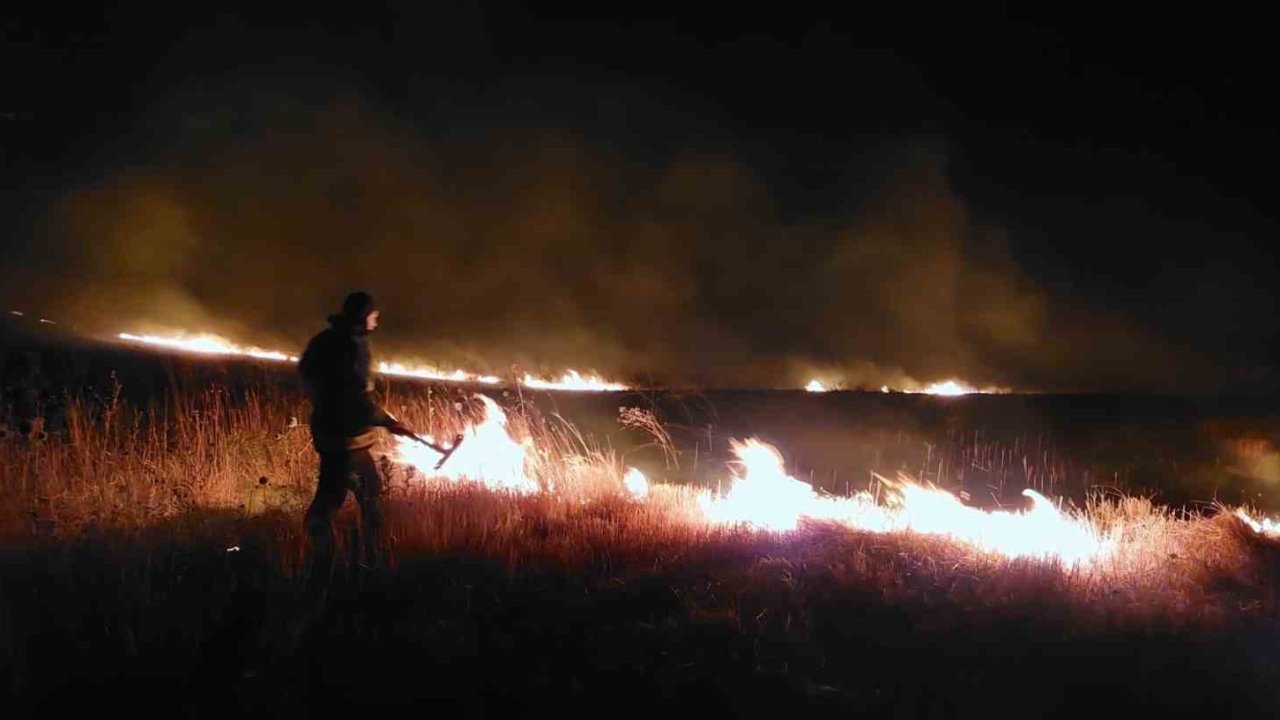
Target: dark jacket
point(336, 369)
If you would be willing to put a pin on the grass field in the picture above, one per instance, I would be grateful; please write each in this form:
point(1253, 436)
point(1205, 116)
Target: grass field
point(153, 559)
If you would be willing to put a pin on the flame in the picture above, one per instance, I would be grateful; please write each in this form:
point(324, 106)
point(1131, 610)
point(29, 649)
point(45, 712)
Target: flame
point(1265, 526)
point(763, 495)
point(488, 455)
point(572, 380)
point(946, 388)
point(207, 344)
point(1043, 531)
point(950, 388)
point(636, 483)
point(210, 344)
point(431, 373)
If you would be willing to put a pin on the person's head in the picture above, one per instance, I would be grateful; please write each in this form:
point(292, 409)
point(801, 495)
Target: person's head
point(359, 310)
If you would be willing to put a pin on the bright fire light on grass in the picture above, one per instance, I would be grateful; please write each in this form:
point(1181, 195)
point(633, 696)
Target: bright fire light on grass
point(763, 495)
point(816, 385)
point(636, 483)
point(1262, 526)
point(488, 454)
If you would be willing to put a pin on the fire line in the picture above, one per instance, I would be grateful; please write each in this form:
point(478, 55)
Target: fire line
point(208, 344)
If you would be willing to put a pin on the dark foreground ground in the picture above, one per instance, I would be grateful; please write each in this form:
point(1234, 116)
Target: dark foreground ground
point(163, 623)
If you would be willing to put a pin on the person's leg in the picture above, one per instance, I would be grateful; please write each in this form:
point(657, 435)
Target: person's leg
point(331, 491)
point(369, 493)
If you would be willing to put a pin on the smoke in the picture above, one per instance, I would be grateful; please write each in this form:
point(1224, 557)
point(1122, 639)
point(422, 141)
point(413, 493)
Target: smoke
point(538, 249)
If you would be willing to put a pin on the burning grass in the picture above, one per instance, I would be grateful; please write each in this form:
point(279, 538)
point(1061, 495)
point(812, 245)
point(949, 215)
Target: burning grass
point(164, 544)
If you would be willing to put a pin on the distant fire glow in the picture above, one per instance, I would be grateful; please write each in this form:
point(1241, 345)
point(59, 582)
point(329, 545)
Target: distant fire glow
point(949, 387)
point(945, 388)
point(572, 380)
point(430, 373)
point(210, 344)
point(206, 344)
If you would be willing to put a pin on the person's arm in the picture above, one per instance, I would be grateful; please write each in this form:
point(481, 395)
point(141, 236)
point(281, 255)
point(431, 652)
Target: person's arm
point(393, 424)
point(379, 417)
point(376, 414)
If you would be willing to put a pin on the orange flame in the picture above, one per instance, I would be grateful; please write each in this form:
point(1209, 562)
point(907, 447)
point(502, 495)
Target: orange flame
point(1263, 526)
point(488, 455)
point(207, 344)
point(571, 380)
point(430, 373)
point(210, 344)
point(763, 495)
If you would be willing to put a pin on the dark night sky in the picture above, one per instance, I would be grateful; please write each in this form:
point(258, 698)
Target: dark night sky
point(714, 198)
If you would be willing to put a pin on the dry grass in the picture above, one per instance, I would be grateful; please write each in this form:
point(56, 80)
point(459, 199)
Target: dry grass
point(134, 505)
point(124, 469)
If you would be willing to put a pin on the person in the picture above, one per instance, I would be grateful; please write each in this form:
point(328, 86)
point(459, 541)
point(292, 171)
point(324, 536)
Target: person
point(344, 420)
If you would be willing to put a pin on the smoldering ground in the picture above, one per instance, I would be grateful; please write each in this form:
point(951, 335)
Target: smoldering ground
point(544, 249)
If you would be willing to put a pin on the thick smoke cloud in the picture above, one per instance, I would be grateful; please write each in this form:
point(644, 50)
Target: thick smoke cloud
point(544, 250)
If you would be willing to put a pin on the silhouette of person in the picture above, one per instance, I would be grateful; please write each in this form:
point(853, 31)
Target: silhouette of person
point(344, 419)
